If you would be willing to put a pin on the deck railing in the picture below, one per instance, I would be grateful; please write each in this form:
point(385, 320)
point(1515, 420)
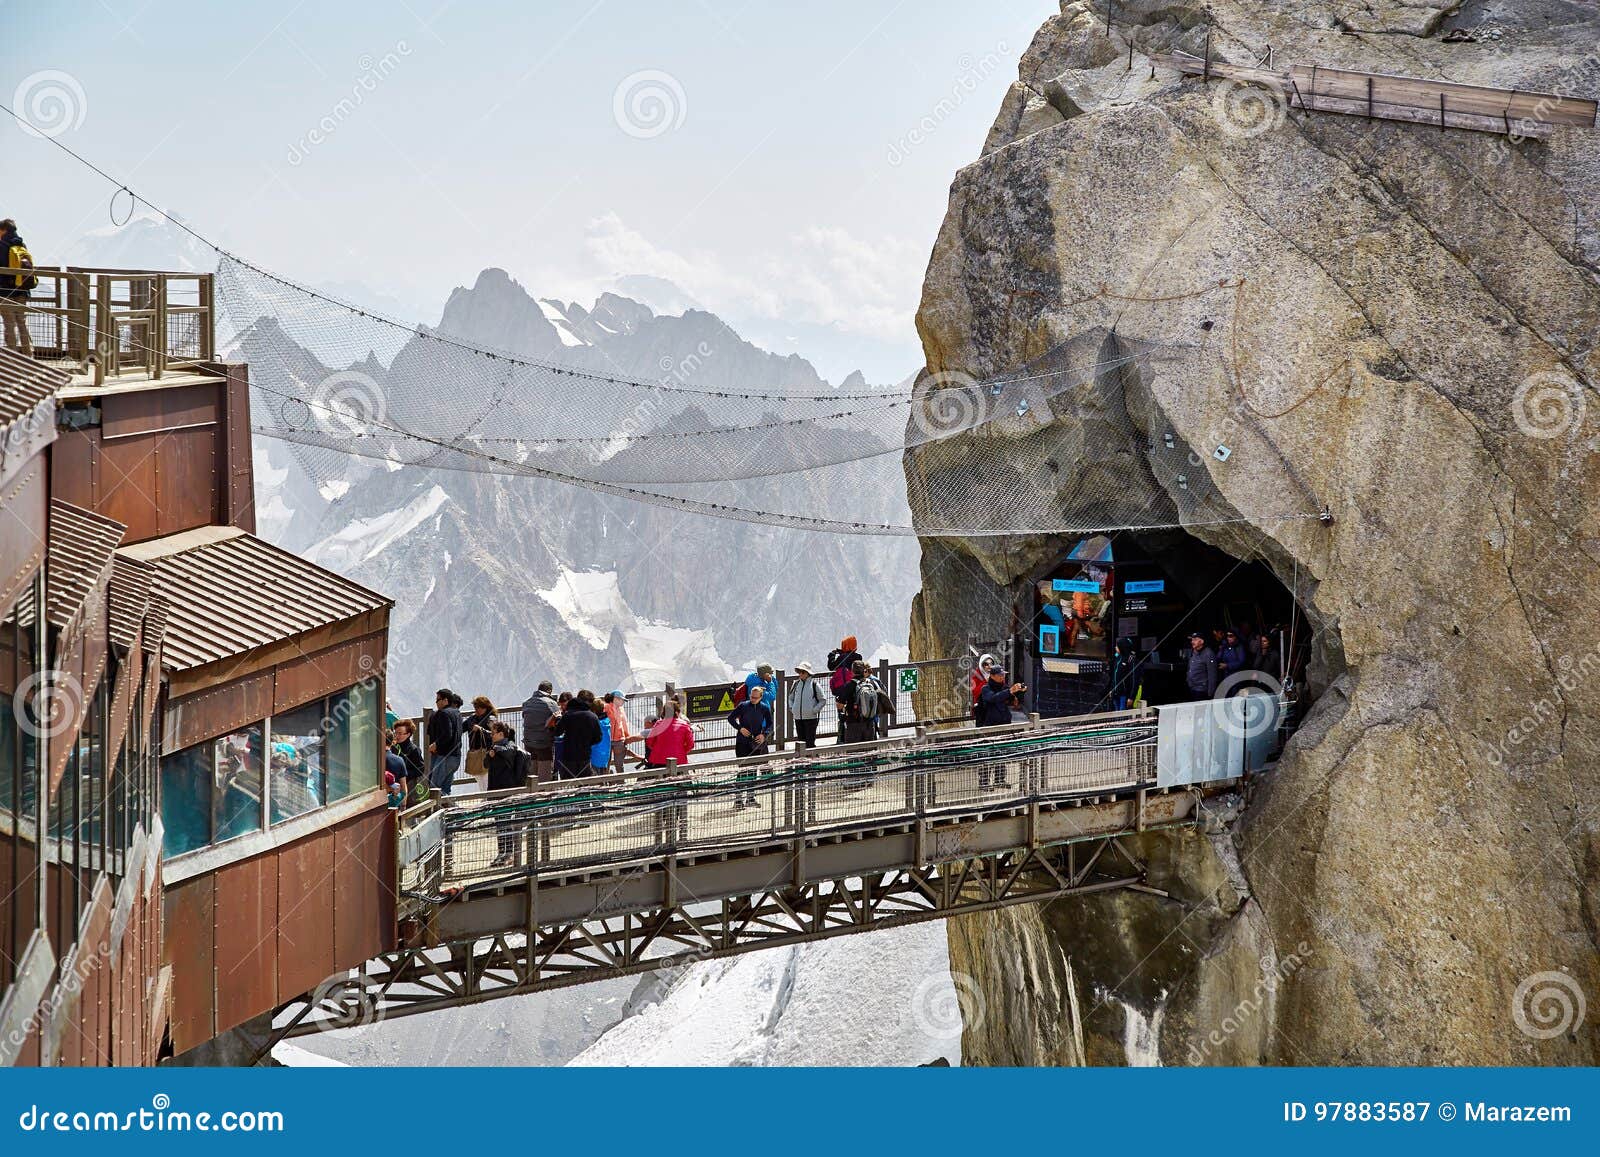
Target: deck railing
point(108, 322)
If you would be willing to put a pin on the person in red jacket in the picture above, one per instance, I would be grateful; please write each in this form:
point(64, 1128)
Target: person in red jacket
point(669, 738)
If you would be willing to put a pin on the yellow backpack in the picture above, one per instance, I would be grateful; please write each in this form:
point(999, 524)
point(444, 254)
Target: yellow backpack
point(19, 259)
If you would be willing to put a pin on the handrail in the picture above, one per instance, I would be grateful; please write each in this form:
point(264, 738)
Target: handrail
point(113, 320)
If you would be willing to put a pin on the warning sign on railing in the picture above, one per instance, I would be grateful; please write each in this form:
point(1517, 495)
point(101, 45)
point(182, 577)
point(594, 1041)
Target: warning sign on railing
point(709, 702)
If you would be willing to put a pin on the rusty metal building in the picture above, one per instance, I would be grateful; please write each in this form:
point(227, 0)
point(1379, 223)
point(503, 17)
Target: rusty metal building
point(191, 807)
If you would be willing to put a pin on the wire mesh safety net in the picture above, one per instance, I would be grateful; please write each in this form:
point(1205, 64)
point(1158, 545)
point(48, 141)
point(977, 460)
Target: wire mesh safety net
point(974, 455)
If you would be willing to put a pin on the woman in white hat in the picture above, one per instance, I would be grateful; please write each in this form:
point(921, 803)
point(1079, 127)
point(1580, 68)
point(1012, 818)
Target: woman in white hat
point(807, 698)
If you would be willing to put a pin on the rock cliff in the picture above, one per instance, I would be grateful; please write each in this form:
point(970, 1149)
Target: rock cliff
point(1412, 347)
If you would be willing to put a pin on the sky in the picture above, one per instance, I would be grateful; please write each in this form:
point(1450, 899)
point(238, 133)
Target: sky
point(787, 165)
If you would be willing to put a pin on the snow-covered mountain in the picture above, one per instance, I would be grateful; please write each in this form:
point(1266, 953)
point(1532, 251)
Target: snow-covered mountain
point(502, 581)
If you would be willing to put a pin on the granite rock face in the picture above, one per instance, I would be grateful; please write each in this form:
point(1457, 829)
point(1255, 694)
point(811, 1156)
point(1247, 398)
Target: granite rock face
point(1400, 326)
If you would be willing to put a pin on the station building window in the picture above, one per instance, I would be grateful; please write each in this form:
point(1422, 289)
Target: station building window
point(21, 756)
point(262, 775)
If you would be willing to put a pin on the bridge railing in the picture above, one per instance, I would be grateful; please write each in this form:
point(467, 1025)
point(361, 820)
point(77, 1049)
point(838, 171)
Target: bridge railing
point(620, 818)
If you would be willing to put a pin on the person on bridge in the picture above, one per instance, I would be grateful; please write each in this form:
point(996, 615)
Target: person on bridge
point(600, 753)
point(578, 730)
point(875, 707)
point(994, 710)
point(806, 701)
point(405, 746)
point(1201, 676)
point(539, 713)
point(980, 676)
point(621, 735)
point(841, 663)
point(1127, 673)
point(669, 737)
point(509, 766)
point(768, 681)
point(444, 740)
point(752, 727)
point(16, 284)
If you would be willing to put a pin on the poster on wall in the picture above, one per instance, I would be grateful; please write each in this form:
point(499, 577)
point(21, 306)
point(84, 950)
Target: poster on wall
point(1076, 609)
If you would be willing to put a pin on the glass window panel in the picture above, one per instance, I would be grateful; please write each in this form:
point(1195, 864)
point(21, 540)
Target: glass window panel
point(186, 779)
point(237, 797)
point(299, 761)
point(354, 741)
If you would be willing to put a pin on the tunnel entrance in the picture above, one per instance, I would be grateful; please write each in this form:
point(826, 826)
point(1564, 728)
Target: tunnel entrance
point(1109, 624)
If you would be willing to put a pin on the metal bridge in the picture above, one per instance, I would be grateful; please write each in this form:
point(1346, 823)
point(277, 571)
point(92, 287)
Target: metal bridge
point(529, 889)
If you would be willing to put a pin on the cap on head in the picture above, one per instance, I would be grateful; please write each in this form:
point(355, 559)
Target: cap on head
point(764, 670)
point(997, 670)
point(802, 668)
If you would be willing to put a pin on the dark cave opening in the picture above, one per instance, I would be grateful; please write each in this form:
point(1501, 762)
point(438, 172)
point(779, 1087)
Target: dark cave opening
point(1108, 623)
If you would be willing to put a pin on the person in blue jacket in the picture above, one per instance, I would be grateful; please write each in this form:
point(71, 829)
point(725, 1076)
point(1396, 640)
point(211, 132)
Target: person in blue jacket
point(600, 753)
point(767, 678)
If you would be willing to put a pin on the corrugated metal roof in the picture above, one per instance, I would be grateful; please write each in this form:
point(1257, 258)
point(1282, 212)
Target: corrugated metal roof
point(24, 383)
point(229, 592)
point(78, 551)
point(131, 582)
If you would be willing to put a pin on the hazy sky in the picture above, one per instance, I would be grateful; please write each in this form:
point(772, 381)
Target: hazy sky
point(787, 164)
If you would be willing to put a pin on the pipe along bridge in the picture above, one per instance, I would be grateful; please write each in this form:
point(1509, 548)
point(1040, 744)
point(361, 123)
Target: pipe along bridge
point(522, 890)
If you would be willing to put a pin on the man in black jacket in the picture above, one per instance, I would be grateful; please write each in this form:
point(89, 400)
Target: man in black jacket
point(444, 740)
point(752, 727)
point(579, 729)
point(994, 710)
point(509, 766)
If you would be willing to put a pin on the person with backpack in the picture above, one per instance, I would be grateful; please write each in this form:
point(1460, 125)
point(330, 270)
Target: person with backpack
point(578, 730)
point(841, 663)
point(858, 705)
point(444, 740)
point(600, 753)
point(17, 281)
point(752, 728)
point(768, 680)
point(806, 701)
point(509, 766)
point(874, 703)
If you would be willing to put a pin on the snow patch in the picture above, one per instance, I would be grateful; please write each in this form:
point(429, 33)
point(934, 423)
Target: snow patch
point(849, 1001)
point(591, 603)
point(294, 1057)
point(365, 539)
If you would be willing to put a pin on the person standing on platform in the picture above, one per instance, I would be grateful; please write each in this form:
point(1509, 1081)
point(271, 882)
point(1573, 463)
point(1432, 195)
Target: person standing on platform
point(994, 710)
point(539, 713)
point(444, 740)
point(578, 731)
point(752, 728)
point(806, 701)
point(1201, 676)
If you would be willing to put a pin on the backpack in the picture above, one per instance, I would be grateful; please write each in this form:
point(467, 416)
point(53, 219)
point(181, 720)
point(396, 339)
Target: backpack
point(840, 676)
point(868, 696)
point(740, 694)
point(18, 258)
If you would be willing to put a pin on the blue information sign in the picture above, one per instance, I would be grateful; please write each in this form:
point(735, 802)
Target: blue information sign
point(1145, 587)
point(1086, 586)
